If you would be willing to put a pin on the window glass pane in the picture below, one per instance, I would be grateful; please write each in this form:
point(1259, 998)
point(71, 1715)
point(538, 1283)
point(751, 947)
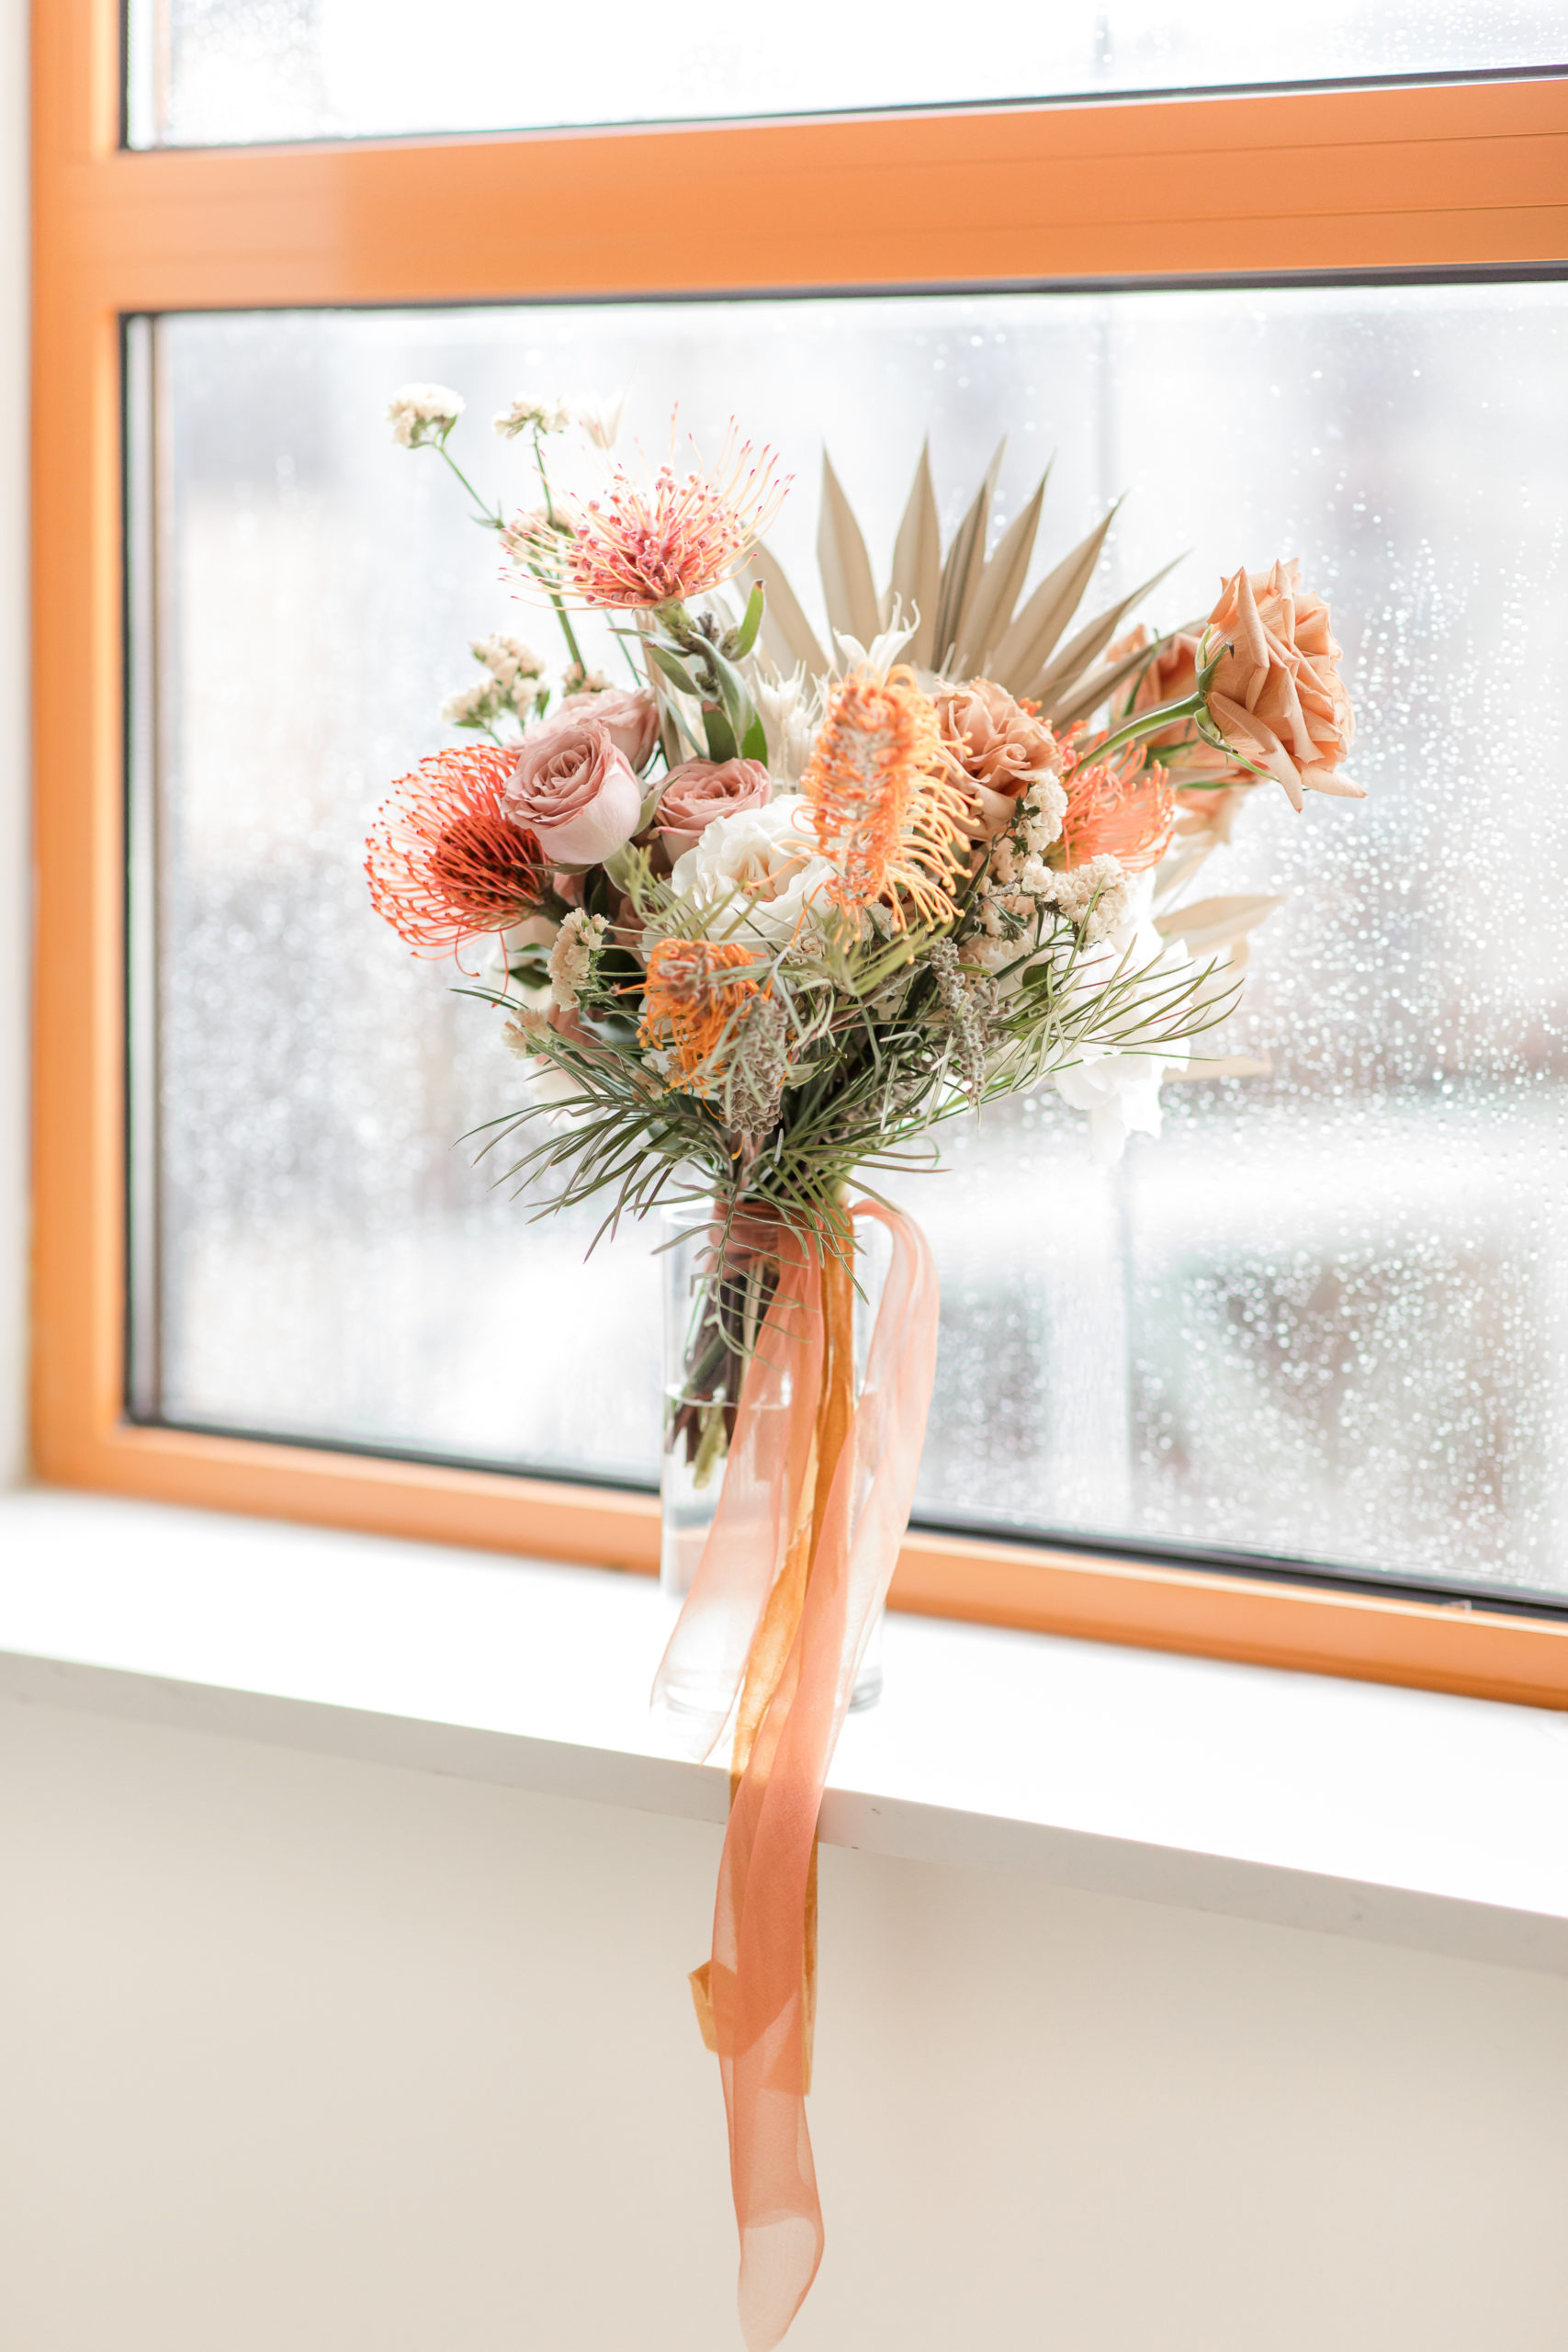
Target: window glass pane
point(1324, 1317)
point(209, 71)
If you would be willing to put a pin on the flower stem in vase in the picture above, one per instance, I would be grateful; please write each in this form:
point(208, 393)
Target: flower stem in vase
point(721, 1270)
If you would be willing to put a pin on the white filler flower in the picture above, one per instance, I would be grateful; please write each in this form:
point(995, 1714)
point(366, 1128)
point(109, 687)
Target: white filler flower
point(423, 412)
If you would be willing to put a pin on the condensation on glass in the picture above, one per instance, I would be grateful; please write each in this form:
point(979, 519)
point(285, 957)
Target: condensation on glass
point(210, 72)
point(1324, 1318)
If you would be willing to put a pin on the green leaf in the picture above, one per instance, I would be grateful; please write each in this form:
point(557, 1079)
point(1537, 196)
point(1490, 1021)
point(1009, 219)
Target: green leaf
point(754, 742)
point(674, 669)
point(720, 734)
point(733, 692)
point(742, 639)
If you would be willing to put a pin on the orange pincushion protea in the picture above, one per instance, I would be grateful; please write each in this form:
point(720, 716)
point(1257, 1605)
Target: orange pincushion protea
point(888, 811)
point(688, 1005)
point(1117, 805)
point(638, 547)
point(445, 861)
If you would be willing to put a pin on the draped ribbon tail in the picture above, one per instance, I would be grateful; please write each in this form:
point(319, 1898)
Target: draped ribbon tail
point(804, 1549)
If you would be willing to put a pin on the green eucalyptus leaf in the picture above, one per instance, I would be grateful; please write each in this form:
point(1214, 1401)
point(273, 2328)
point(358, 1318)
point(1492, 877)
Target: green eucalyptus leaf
point(754, 742)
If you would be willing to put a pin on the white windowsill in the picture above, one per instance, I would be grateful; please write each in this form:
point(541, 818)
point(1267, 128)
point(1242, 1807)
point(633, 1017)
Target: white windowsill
point(1398, 1815)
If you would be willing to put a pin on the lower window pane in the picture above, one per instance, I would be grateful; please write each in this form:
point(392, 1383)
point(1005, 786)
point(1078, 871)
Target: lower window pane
point(1324, 1317)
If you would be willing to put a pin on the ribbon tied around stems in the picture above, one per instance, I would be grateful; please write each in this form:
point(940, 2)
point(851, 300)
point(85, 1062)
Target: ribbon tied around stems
point(813, 1504)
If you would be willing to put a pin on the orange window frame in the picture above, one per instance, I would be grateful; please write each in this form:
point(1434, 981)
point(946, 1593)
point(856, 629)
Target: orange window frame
point(1358, 179)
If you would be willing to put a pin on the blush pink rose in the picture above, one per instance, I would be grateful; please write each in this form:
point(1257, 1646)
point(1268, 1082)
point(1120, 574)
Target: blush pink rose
point(575, 791)
point(629, 718)
point(700, 790)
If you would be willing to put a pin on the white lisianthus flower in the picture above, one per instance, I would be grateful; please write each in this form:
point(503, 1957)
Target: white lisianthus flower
point(1118, 1084)
point(526, 415)
point(423, 412)
point(760, 872)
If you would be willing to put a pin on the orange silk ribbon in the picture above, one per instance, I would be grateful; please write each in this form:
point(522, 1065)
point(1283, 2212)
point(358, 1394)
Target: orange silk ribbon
point(815, 1498)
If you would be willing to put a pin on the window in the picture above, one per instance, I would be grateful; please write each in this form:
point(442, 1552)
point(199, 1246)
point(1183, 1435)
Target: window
point(206, 72)
point(1302, 1354)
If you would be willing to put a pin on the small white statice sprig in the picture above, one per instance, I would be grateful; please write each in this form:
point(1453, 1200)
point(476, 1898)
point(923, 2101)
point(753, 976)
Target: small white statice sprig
point(522, 1033)
point(477, 707)
point(529, 415)
point(509, 662)
point(513, 687)
point(577, 942)
point(1093, 896)
point(422, 415)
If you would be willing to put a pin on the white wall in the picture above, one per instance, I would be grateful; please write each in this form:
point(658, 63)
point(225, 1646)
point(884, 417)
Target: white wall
point(302, 2055)
point(14, 895)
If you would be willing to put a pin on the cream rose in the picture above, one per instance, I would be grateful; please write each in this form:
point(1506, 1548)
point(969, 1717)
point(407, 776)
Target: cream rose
point(700, 790)
point(1277, 696)
point(629, 717)
point(576, 791)
point(762, 868)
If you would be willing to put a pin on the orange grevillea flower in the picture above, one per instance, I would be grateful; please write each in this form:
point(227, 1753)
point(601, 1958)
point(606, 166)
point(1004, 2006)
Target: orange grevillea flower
point(688, 1003)
point(889, 811)
point(1116, 805)
point(643, 545)
point(445, 863)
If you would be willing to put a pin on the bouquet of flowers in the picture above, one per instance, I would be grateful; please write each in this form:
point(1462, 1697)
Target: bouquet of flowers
point(759, 922)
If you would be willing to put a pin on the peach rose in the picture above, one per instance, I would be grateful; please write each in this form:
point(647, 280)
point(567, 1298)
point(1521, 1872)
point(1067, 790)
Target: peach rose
point(1001, 747)
point(629, 717)
point(700, 790)
point(575, 789)
point(1277, 696)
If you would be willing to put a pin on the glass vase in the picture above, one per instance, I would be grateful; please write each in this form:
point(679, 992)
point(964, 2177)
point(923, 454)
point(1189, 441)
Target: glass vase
point(713, 1312)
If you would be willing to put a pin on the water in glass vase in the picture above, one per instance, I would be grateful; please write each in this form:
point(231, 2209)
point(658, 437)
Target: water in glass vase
point(713, 1312)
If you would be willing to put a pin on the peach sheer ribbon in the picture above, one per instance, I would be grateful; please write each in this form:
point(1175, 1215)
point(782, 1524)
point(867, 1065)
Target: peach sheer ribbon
point(815, 1501)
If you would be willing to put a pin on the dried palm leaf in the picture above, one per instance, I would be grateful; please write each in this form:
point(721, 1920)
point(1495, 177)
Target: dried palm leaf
point(997, 592)
point(1090, 689)
point(1180, 863)
point(1217, 923)
point(917, 565)
point(1027, 644)
point(847, 582)
point(1221, 1065)
point(1070, 665)
point(960, 573)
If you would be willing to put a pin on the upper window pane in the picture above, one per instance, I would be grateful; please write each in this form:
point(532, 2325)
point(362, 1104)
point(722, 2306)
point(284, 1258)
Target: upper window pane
point(1326, 1316)
point(211, 73)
